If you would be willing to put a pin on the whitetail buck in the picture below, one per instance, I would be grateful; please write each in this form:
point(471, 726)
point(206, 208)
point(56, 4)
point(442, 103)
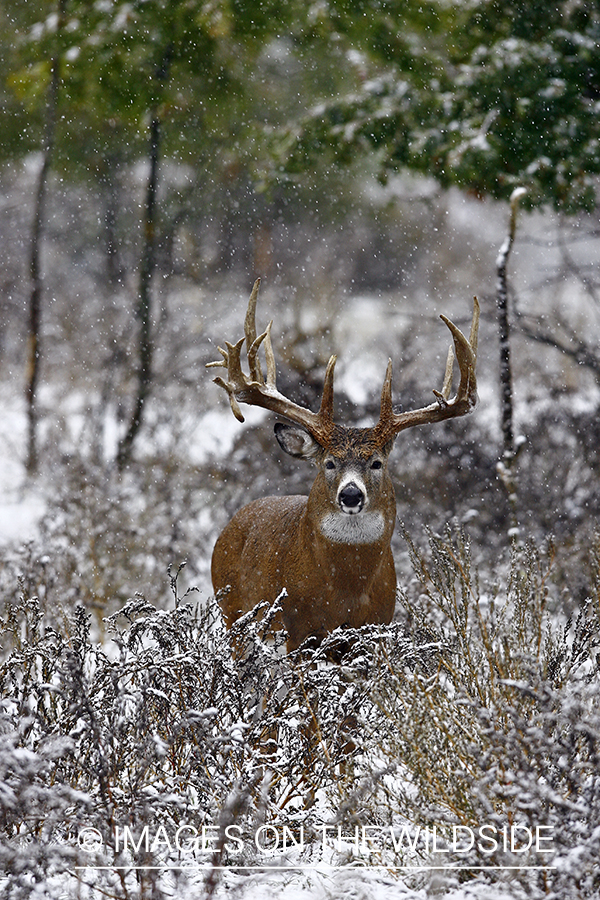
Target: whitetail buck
point(330, 551)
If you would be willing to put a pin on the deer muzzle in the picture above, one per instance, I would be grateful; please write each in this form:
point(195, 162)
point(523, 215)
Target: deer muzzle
point(351, 498)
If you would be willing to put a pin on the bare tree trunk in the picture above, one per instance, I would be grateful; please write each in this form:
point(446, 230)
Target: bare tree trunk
point(147, 267)
point(144, 306)
point(35, 298)
point(111, 196)
point(507, 463)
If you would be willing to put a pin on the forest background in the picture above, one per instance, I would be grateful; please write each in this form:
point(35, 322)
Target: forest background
point(364, 159)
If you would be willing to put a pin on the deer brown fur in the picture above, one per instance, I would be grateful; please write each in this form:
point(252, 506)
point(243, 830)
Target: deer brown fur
point(329, 554)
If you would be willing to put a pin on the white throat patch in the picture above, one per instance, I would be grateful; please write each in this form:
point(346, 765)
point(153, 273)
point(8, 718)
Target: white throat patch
point(364, 528)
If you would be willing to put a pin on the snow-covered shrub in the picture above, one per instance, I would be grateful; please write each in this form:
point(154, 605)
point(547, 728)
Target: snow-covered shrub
point(142, 764)
point(144, 749)
point(502, 726)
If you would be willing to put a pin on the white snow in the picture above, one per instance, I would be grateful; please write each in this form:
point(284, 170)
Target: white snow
point(22, 502)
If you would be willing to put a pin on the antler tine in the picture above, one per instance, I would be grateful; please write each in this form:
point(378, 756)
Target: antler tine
point(250, 334)
point(390, 423)
point(326, 408)
point(255, 391)
point(387, 409)
point(270, 357)
point(444, 394)
point(232, 362)
point(473, 336)
point(254, 363)
point(466, 353)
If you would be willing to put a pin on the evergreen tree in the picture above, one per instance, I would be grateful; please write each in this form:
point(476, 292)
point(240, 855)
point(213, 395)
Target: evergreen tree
point(487, 95)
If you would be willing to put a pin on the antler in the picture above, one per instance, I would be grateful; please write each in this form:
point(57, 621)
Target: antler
point(254, 390)
point(391, 423)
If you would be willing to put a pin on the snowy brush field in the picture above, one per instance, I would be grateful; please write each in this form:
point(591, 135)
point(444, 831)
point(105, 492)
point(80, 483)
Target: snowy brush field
point(137, 753)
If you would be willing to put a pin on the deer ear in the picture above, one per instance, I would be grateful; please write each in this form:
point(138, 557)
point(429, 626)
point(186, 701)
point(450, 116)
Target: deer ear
point(296, 441)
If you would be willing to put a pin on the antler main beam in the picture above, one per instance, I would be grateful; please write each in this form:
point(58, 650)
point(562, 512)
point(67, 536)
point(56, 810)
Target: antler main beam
point(254, 390)
point(445, 407)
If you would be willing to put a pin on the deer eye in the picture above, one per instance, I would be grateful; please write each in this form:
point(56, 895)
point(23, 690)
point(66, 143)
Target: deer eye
point(377, 464)
point(330, 464)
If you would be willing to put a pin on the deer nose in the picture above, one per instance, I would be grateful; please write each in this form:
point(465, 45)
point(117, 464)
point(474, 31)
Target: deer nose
point(351, 498)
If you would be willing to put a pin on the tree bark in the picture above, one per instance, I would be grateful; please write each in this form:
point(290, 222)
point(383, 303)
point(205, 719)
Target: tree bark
point(506, 465)
point(34, 349)
point(147, 267)
point(144, 305)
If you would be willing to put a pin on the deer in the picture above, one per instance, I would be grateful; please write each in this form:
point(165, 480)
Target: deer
point(326, 556)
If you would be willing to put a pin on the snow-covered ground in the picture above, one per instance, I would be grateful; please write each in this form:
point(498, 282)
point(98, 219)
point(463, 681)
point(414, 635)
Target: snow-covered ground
point(22, 500)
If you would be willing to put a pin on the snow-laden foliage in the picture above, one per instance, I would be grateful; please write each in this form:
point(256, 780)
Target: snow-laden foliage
point(195, 754)
point(486, 95)
point(511, 712)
